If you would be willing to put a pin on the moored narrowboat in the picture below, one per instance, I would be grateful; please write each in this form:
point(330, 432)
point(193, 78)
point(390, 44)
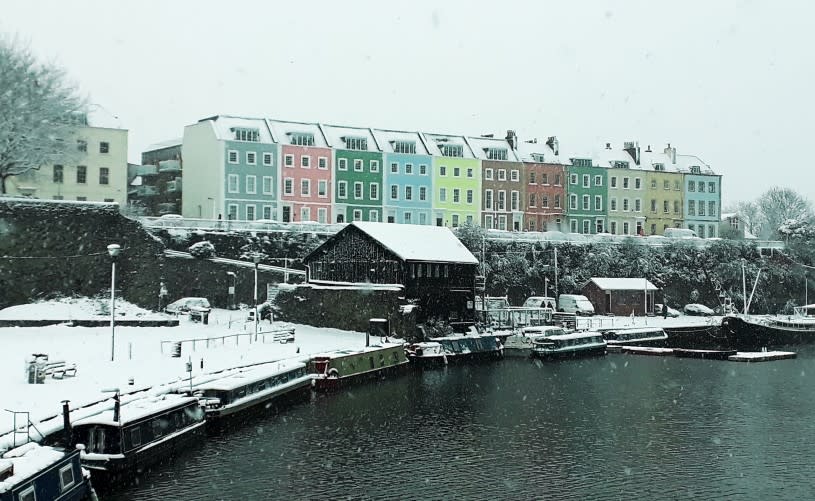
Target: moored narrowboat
point(641, 336)
point(129, 438)
point(340, 368)
point(576, 344)
point(523, 340)
point(33, 472)
point(252, 388)
point(443, 350)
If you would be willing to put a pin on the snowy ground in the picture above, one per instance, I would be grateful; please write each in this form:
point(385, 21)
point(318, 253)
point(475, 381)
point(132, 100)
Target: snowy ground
point(139, 354)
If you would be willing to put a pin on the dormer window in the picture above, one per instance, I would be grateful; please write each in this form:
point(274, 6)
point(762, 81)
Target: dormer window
point(302, 138)
point(619, 164)
point(581, 162)
point(355, 143)
point(451, 150)
point(404, 147)
point(537, 157)
point(251, 135)
point(659, 167)
point(695, 169)
point(496, 153)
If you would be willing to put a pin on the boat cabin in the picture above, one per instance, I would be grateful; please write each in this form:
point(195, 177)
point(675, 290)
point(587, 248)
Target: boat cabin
point(231, 389)
point(32, 472)
point(645, 336)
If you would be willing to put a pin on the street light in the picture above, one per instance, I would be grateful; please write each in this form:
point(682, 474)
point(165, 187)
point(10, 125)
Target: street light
point(256, 259)
point(232, 288)
point(113, 250)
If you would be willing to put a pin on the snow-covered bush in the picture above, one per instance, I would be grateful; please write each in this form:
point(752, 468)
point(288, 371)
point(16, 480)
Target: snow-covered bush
point(202, 250)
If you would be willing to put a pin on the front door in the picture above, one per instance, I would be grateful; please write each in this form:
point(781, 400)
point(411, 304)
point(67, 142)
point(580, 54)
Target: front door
point(286, 214)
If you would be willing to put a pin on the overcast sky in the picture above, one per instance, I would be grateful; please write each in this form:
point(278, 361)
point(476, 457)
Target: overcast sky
point(728, 81)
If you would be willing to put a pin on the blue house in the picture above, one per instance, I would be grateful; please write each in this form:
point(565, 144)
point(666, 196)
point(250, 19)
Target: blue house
point(408, 182)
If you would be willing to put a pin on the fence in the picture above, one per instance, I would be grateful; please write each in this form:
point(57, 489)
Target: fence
point(272, 336)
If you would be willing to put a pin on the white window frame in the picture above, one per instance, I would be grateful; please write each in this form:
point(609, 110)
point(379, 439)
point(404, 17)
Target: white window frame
point(612, 204)
point(267, 212)
point(573, 179)
point(322, 215)
point(514, 175)
point(488, 200)
point(322, 163)
point(229, 155)
point(598, 180)
point(613, 182)
point(342, 190)
point(305, 162)
point(408, 192)
point(502, 174)
point(251, 182)
point(407, 217)
point(573, 201)
point(254, 158)
point(456, 195)
point(288, 182)
point(342, 164)
point(357, 215)
point(422, 169)
point(270, 181)
point(442, 170)
point(373, 191)
point(268, 159)
point(586, 202)
point(374, 165)
point(232, 209)
point(359, 165)
point(394, 192)
point(307, 184)
point(254, 212)
point(409, 169)
point(322, 186)
point(598, 203)
point(423, 193)
point(233, 183)
point(488, 174)
point(62, 486)
point(361, 190)
point(394, 167)
point(470, 197)
point(443, 195)
point(288, 161)
point(373, 215)
point(25, 492)
point(514, 200)
point(586, 181)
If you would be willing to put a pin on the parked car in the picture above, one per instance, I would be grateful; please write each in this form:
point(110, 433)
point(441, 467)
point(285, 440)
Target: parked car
point(698, 310)
point(575, 303)
point(539, 302)
point(671, 312)
point(184, 305)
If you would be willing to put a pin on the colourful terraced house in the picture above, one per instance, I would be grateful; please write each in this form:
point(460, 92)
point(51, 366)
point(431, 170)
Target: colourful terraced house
point(306, 165)
point(503, 190)
point(407, 177)
point(231, 169)
point(664, 193)
point(357, 174)
point(626, 189)
point(456, 181)
point(702, 194)
point(588, 194)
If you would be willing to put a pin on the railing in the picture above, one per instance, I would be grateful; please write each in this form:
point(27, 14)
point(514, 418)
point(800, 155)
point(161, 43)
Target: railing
point(235, 225)
point(272, 336)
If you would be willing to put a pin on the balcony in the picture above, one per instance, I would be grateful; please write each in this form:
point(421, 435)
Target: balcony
point(169, 166)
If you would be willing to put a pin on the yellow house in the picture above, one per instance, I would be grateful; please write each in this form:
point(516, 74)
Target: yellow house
point(97, 174)
point(663, 192)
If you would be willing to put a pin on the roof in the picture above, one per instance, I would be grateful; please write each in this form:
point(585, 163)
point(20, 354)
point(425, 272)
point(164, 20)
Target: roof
point(28, 460)
point(606, 156)
point(224, 126)
point(137, 409)
point(249, 376)
point(481, 145)
point(530, 151)
point(387, 138)
point(282, 131)
point(170, 143)
point(334, 134)
point(623, 284)
point(413, 242)
point(434, 140)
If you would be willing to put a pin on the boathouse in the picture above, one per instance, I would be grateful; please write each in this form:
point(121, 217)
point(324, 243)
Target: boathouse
point(434, 269)
point(621, 296)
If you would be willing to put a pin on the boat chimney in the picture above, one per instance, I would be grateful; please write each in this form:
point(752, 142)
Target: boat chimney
point(66, 423)
point(117, 408)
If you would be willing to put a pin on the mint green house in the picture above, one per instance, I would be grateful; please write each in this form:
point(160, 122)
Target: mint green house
point(357, 174)
point(456, 181)
point(587, 195)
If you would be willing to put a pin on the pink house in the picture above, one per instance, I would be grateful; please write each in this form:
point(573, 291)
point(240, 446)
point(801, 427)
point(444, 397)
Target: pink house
point(305, 171)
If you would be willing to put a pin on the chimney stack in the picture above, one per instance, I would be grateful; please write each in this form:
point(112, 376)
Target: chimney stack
point(512, 139)
point(608, 146)
point(671, 151)
point(633, 149)
point(553, 143)
point(66, 424)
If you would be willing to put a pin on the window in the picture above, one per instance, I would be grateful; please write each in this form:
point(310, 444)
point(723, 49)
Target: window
point(557, 201)
point(625, 183)
point(442, 194)
point(232, 212)
point(545, 201)
point(532, 178)
point(598, 180)
point(586, 202)
point(408, 168)
point(701, 186)
point(81, 145)
point(469, 174)
point(502, 200)
point(322, 215)
point(422, 193)
point(456, 195)
point(586, 227)
point(302, 138)
point(676, 185)
point(322, 163)
point(251, 158)
point(665, 206)
point(442, 170)
point(701, 208)
point(638, 205)
point(394, 192)
point(711, 209)
point(702, 230)
point(246, 134)
point(342, 164)
point(408, 192)
point(305, 162)
point(653, 184)
point(357, 165)
point(586, 180)
point(104, 147)
point(488, 199)
point(612, 205)
point(452, 150)
point(613, 181)
point(626, 227)
point(407, 217)
point(374, 165)
point(573, 225)
point(502, 174)
point(514, 200)
point(676, 206)
point(60, 197)
point(357, 215)
point(423, 170)
point(394, 168)
point(691, 186)
point(573, 202)
point(305, 187)
point(342, 189)
point(653, 229)
point(545, 178)
point(268, 186)
point(232, 183)
point(358, 190)
point(373, 215)
point(355, 143)
point(625, 205)
point(488, 222)
point(614, 227)
point(496, 153)
point(695, 169)
point(288, 186)
point(599, 226)
point(404, 147)
point(288, 160)
point(653, 205)
point(455, 220)
point(27, 494)
point(691, 207)
point(58, 174)
point(305, 213)
point(557, 179)
point(488, 174)
point(81, 199)
point(456, 172)
point(514, 175)
point(232, 156)
point(532, 200)
point(637, 183)
point(373, 191)
point(711, 188)
point(250, 212)
point(104, 175)
point(251, 184)
point(666, 185)
point(322, 188)
point(267, 159)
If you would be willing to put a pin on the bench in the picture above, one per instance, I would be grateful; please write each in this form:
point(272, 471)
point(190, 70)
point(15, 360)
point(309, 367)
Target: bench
point(59, 370)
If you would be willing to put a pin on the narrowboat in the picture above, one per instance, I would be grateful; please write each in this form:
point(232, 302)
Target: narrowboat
point(32, 472)
point(576, 344)
point(522, 341)
point(341, 368)
point(252, 388)
point(753, 332)
point(127, 439)
point(443, 350)
point(644, 336)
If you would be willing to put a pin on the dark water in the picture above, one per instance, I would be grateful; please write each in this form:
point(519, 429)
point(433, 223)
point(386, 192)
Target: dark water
point(614, 427)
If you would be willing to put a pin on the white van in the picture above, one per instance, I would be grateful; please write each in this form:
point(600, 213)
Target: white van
point(540, 302)
point(679, 233)
point(574, 303)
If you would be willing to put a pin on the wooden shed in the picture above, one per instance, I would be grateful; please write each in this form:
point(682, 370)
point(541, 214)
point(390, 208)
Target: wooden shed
point(435, 269)
point(621, 296)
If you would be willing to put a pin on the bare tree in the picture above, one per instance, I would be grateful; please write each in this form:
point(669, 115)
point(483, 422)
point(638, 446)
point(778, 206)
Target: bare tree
point(778, 205)
point(41, 113)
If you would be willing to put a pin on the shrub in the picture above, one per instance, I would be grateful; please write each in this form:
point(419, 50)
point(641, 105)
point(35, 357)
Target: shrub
point(202, 250)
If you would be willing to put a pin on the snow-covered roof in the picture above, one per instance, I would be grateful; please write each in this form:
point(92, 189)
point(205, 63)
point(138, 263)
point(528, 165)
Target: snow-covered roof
point(533, 151)
point(414, 242)
point(623, 284)
point(481, 145)
point(336, 136)
point(435, 141)
point(225, 126)
point(27, 460)
point(164, 144)
point(244, 377)
point(137, 409)
point(282, 131)
point(607, 156)
point(387, 139)
point(685, 162)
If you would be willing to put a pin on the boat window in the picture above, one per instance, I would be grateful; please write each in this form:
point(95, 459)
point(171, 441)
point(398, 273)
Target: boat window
point(135, 436)
point(371, 359)
point(96, 440)
point(66, 477)
point(455, 346)
point(27, 495)
point(159, 425)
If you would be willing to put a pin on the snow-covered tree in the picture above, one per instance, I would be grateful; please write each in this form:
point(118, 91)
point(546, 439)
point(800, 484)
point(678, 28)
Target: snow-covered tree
point(777, 205)
point(41, 112)
point(202, 250)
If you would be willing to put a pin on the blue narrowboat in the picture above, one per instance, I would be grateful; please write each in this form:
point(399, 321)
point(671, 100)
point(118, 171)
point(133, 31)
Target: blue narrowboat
point(443, 350)
point(33, 472)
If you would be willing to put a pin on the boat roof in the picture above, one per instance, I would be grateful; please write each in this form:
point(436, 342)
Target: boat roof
point(371, 348)
point(459, 337)
point(637, 330)
point(27, 460)
point(137, 409)
point(249, 376)
point(541, 329)
point(575, 335)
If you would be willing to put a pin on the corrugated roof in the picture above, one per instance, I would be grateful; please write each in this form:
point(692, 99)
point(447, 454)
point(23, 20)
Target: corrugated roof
point(413, 242)
point(624, 284)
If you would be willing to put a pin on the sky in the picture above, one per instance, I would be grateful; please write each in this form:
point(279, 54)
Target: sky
point(729, 81)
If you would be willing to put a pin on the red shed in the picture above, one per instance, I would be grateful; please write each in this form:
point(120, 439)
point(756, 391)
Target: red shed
point(621, 296)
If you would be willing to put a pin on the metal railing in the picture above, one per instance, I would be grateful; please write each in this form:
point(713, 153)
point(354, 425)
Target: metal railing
point(271, 336)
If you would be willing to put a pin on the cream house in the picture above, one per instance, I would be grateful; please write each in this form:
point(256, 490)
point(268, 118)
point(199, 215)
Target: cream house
point(97, 174)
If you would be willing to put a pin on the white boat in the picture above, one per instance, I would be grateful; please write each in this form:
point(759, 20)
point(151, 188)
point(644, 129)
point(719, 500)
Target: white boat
point(522, 341)
point(641, 336)
point(576, 344)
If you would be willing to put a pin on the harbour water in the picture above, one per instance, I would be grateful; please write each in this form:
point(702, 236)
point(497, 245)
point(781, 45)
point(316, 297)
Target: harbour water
point(613, 427)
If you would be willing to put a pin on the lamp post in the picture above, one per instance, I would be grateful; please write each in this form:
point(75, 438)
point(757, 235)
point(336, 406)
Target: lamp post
point(113, 250)
point(232, 289)
point(256, 259)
